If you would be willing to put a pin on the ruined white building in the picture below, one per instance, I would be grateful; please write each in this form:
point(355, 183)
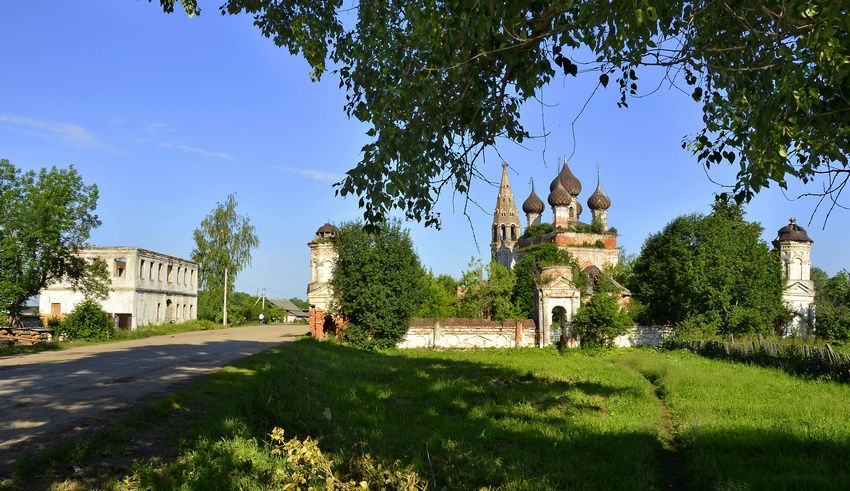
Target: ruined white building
point(146, 288)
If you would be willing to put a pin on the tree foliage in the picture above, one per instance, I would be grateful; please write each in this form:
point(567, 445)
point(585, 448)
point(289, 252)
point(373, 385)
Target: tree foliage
point(377, 281)
point(600, 320)
point(45, 218)
point(439, 297)
point(833, 306)
point(486, 292)
point(711, 272)
point(771, 77)
point(224, 240)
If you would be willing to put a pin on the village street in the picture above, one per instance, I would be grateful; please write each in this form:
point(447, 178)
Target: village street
point(53, 391)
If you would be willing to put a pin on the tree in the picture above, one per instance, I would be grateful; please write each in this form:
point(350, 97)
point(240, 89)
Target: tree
point(45, 218)
point(711, 272)
point(770, 76)
point(223, 245)
point(489, 297)
point(439, 297)
point(832, 305)
point(377, 281)
point(527, 271)
point(600, 320)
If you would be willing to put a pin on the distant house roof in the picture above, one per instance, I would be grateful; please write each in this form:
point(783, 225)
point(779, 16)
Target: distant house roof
point(287, 305)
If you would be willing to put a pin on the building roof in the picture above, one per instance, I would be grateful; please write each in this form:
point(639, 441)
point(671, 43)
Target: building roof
point(570, 182)
point(505, 212)
point(559, 196)
point(792, 232)
point(598, 200)
point(327, 228)
point(287, 305)
point(533, 204)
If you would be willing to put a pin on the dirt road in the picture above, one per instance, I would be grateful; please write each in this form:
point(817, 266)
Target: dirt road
point(51, 391)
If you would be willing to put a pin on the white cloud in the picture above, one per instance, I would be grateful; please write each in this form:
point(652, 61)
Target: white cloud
point(316, 175)
point(199, 151)
point(68, 133)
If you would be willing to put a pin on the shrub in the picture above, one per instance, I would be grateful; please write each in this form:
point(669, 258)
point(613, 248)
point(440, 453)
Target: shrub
point(88, 322)
point(538, 229)
point(244, 463)
point(378, 282)
point(600, 320)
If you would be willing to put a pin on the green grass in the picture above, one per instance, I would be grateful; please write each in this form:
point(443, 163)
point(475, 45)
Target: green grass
point(507, 419)
point(119, 335)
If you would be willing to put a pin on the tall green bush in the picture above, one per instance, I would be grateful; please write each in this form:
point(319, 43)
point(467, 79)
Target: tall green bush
point(88, 322)
point(378, 283)
point(600, 320)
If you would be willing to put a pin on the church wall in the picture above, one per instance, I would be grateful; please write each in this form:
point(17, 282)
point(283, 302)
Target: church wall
point(469, 333)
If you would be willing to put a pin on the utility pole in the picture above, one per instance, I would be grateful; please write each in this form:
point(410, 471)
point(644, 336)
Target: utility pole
point(224, 314)
point(264, 299)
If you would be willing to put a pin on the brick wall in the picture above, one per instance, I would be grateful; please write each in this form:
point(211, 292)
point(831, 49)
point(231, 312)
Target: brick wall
point(469, 333)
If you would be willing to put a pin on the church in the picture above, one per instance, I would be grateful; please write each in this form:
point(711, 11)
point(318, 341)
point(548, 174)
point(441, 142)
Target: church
point(593, 245)
point(556, 296)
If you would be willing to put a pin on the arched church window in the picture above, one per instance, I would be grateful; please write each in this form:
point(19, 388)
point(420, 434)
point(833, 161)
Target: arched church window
point(495, 233)
point(513, 232)
point(503, 232)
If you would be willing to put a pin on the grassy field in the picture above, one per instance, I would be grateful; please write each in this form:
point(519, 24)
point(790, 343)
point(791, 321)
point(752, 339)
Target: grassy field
point(506, 419)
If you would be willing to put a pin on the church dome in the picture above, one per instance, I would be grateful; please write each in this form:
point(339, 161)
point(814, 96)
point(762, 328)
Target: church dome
point(598, 200)
point(792, 232)
point(327, 228)
point(570, 182)
point(579, 208)
point(559, 196)
point(533, 204)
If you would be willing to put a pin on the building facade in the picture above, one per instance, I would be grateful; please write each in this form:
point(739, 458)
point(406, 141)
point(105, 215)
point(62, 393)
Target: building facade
point(146, 288)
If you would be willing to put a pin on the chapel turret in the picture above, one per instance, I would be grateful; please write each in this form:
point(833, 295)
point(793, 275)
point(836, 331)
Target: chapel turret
point(599, 202)
point(795, 252)
point(506, 227)
point(533, 207)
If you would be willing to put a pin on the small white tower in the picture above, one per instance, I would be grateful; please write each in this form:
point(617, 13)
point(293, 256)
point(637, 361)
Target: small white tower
point(795, 252)
point(319, 290)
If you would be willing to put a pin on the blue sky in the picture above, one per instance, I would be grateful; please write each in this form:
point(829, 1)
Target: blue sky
point(168, 115)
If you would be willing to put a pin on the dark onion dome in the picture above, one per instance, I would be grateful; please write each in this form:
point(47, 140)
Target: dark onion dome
point(559, 196)
point(327, 228)
point(792, 232)
point(598, 200)
point(569, 180)
point(533, 204)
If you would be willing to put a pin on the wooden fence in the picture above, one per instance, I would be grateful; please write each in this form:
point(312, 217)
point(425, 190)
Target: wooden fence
point(798, 359)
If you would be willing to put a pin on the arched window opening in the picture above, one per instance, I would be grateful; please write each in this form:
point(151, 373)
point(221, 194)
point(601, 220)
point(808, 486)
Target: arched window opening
point(513, 232)
point(503, 232)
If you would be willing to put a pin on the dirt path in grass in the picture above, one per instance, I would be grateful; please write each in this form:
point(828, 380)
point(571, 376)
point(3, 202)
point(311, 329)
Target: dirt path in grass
point(44, 394)
point(669, 445)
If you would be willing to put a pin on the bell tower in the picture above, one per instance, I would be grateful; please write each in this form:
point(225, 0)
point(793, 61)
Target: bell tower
point(506, 228)
point(795, 252)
